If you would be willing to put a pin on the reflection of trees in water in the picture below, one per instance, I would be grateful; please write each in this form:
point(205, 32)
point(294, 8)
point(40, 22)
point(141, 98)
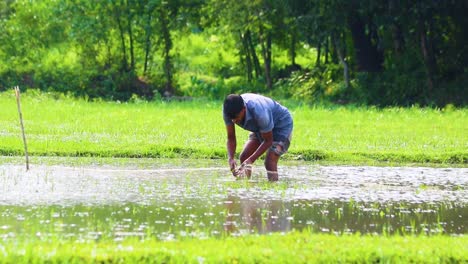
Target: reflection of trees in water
point(334, 216)
point(256, 216)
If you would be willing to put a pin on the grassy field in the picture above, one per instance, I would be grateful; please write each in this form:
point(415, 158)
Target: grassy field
point(62, 126)
point(276, 248)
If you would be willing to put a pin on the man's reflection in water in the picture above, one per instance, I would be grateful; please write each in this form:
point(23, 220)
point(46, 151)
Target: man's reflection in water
point(252, 216)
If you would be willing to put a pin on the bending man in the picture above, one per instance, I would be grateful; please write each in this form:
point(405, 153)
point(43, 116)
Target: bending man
point(270, 125)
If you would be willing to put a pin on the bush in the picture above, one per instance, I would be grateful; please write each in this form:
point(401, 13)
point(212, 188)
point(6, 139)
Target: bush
point(312, 85)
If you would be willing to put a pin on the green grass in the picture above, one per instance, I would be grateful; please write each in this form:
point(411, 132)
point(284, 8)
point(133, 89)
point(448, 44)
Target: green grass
point(295, 247)
point(62, 126)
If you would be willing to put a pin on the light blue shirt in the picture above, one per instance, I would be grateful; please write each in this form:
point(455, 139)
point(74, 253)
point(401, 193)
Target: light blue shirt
point(263, 115)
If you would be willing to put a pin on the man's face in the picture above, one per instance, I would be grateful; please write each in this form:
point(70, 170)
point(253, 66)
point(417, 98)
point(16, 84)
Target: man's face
point(240, 117)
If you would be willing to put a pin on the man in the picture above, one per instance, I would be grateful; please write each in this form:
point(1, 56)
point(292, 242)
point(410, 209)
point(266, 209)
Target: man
point(270, 125)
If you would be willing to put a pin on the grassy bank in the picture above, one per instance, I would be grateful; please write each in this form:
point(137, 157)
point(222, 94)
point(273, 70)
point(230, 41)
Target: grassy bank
point(61, 126)
point(277, 248)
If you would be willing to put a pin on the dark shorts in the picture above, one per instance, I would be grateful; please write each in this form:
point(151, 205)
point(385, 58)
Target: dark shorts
point(279, 147)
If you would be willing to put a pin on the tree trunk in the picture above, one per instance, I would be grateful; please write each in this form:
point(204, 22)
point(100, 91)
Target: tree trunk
point(122, 40)
point(147, 42)
point(398, 39)
point(341, 56)
point(319, 53)
point(333, 50)
point(266, 51)
point(247, 57)
point(253, 52)
point(167, 64)
point(130, 36)
point(148, 36)
point(429, 59)
point(293, 49)
point(397, 32)
point(327, 50)
point(368, 57)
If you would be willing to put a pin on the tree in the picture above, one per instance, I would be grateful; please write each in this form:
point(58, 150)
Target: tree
point(237, 19)
point(395, 52)
point(366, 40)
point(29, 30)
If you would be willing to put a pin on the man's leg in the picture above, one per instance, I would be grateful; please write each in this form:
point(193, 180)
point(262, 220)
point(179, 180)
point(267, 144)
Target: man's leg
point(250, 147)
point(272, 157)
point(271, 165)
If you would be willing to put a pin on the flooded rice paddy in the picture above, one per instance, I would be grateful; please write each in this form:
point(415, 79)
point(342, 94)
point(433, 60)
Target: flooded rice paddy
point(175, 201)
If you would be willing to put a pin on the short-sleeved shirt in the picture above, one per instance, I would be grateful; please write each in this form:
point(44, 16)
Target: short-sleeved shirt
point(263, 115)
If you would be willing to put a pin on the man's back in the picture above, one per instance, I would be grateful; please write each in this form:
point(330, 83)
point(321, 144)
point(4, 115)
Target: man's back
point(264, 114)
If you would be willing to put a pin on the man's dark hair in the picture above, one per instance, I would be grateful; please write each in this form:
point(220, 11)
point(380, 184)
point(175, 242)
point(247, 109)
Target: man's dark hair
point(233, 105)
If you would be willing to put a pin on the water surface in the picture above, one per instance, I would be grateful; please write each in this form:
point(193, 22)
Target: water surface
point(171, 201)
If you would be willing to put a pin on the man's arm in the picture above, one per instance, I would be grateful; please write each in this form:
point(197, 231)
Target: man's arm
point(266, 143)
point(231, 145)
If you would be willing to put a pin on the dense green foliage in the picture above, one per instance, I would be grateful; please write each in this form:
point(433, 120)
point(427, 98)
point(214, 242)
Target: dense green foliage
point(368, 52)
point(57, 125)
point(277, 248)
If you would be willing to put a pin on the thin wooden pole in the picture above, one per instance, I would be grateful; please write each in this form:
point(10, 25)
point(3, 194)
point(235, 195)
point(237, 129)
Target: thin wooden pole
point(17, 93)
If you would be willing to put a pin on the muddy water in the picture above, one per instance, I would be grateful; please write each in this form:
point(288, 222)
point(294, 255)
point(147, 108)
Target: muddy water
point(169, 202)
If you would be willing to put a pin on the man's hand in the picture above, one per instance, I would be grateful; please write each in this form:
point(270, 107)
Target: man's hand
point(247, 163)
point(232, 166)
point(245, 169)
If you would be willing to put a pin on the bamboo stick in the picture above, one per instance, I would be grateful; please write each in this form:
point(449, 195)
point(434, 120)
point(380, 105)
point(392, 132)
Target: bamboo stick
point(17, 93)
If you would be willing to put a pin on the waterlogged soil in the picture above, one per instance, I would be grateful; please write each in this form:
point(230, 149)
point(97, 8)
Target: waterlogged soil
point(173, 201)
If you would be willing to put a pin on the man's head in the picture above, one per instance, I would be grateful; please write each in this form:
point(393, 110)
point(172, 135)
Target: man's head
point(233, 106)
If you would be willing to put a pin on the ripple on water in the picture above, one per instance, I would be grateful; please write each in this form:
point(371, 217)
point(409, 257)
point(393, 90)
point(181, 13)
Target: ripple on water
point(208, 201)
